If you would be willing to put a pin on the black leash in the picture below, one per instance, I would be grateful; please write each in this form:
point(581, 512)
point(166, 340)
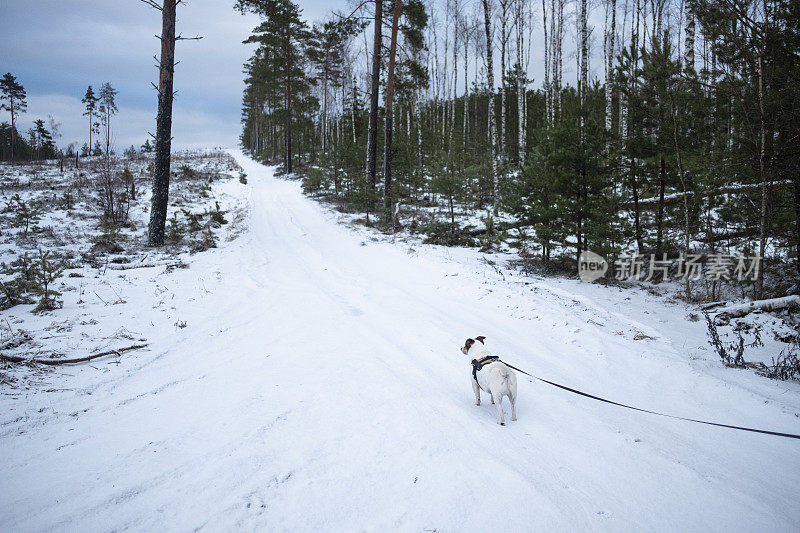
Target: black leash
point(586, 394)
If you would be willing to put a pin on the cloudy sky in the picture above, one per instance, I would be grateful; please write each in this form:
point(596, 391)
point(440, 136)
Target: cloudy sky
point(56, 48)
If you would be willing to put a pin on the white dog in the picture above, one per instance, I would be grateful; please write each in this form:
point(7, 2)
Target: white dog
point(491, 375)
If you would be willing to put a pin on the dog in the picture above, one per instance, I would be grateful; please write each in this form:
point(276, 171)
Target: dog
point(491, 375)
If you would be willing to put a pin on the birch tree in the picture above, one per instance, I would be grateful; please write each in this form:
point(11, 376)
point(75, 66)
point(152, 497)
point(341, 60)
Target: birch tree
point(521, 82)
point(688, 53)
point(108, 108)
point(610, 36)
point(504, 35)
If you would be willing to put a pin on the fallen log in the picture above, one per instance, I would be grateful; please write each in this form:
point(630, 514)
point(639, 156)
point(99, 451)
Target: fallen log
point(53, 362)
point(131, 266)
point(652, 202)
point(499, 226)
point(724, 314)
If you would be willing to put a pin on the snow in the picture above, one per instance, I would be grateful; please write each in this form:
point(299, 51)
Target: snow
point(318, 385)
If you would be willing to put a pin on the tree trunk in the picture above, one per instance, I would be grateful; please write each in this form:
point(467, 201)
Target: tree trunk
point(466, 89)
point(503, 48)
point(108, 109)
point(287, 121)
point(673, 114)
point(90, 132)
point(353, 108)
point(387, 145)
point(455, 76)
point(521, 123)
point(560, 58)
point(688, 53)
point(14, 129)
point(662, 178)
point(762, 155)
point(418, 112)
point(158, 210)
point(636, 210)
point(584, 59)
point(487, 20)
point(796, 184)
point(547, 49)
point(610, 64)
point(582, 87)
point(325, 108)
point(372, 142)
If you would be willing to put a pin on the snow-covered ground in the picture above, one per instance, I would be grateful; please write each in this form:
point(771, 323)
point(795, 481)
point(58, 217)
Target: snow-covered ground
point(96, 260)
point(306, 376)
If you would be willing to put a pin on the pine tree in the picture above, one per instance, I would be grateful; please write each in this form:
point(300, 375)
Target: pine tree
point(397, 8)
point(90, 102)
point(284, 42)
point(108, 108)
point(163, 144)
point(13, 100)
point(42, 140)
point(45, 273)
point(375, 77)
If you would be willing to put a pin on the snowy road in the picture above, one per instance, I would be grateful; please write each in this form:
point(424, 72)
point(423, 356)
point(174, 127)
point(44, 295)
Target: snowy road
point(318, 386)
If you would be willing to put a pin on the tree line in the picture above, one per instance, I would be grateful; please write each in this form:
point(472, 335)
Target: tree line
point(41, 140)
point(688, 143)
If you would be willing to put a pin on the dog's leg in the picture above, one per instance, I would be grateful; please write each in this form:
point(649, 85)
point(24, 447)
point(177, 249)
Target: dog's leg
point(477, 390)
point(492, 395)
point(513, 401)
point(502, 420)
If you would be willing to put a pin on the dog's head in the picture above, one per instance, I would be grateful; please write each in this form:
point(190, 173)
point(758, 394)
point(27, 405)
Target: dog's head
point(469, 343)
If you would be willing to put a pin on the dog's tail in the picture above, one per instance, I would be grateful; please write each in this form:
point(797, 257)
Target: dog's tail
point(506, 387)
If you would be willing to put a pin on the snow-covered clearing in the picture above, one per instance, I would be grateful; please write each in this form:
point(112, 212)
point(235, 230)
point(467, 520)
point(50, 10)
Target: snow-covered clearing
point(318, 386)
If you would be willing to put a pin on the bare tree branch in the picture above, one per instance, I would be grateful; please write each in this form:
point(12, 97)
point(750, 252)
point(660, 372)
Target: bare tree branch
point(356, 9)
point(53, 362)
point(152, 4)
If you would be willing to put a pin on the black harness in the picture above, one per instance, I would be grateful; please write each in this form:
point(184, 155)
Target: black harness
point(477, 364)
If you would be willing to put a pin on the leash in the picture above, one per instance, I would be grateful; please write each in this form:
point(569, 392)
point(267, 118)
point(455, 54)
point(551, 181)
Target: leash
point(598, 398)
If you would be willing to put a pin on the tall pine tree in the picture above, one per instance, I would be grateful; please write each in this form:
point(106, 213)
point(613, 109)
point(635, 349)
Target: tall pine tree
point(90, 110)
point(284, 41)
point(13, 98)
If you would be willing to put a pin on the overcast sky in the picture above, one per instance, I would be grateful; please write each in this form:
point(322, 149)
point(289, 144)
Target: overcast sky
point(56, 48)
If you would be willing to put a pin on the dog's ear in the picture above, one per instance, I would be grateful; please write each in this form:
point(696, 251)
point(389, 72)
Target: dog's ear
point(480, 338)
point(468, 343)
